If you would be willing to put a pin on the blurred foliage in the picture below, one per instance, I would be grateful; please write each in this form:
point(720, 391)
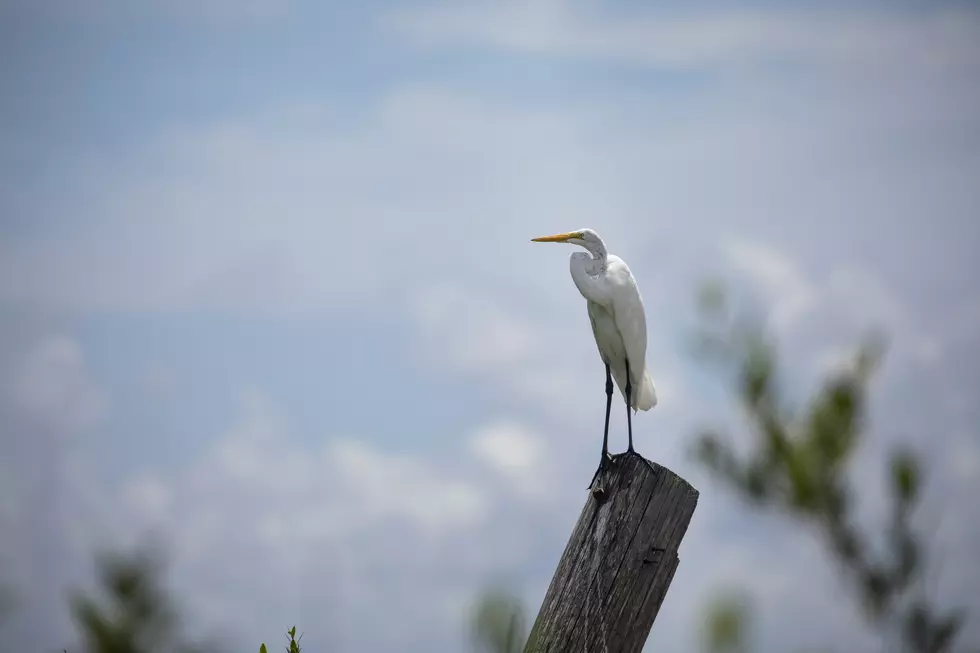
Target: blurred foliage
point(798, 465)
point(498, 624)
point(135, 614)
point(726, 623)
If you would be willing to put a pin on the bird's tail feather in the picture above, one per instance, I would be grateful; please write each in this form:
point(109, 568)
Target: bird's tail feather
point(646, 394)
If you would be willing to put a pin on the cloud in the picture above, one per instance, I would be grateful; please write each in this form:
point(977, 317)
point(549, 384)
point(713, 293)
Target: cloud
point(828, 311)
point(403, 487)
point(290, 221)
point(263, 531)
point(852, 196)
point(693, 39)
point(50, 404)
point(353, 528)
point(507, 446)
point(278, 212)
point(478, 334)
point(147, 498)
point(471, 332)
point(790, 295)
point(54, 387)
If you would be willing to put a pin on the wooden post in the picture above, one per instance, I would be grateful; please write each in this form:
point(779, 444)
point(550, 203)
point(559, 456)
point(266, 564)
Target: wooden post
point(618, 563)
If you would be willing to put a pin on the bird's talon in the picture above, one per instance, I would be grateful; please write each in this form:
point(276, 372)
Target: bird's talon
point(604, 463)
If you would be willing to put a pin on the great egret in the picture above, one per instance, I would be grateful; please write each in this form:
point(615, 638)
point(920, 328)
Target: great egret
point(618, 323)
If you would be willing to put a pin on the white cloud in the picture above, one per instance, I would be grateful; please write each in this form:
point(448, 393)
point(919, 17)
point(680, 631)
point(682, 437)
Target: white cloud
point(55, 387)
point(148, 496)
point(692, 38)
point(864, 297)
point(264, 216)
point(346, 484)
point(364, 523)
point(790, 294)
point(388, 486)
point(829, 310)
point(47, 395)
point(286, 213)
point(532, 469)
point(507, 446)
point(279, 213)
point(478, 334)
point(472, 332)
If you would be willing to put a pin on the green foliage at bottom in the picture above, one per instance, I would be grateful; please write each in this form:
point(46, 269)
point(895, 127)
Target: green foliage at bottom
point(133, 614)
point(292, 647)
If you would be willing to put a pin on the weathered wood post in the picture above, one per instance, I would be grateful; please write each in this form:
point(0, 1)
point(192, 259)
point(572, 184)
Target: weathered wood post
point(618, 563)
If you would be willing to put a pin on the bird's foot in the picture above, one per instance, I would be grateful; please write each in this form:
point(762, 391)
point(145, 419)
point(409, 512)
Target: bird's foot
point(632, 452)
point(597, 490)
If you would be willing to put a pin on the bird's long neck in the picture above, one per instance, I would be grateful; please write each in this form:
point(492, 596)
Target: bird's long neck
point(599, 254)
point(588, 273)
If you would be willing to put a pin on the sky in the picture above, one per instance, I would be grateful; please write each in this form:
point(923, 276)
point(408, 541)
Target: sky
point(267, 290)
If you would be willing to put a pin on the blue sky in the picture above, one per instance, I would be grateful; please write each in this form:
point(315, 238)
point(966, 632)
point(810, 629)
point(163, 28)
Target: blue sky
point(268, 263)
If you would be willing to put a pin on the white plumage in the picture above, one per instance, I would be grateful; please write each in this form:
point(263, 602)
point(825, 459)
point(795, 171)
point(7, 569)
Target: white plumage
point(616, 311)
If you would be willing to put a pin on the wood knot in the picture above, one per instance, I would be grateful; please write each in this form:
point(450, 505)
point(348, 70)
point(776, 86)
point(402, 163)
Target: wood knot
point(599, 493)
point(654, 555)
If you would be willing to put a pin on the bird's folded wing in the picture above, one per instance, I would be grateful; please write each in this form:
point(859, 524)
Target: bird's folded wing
point(632, 324)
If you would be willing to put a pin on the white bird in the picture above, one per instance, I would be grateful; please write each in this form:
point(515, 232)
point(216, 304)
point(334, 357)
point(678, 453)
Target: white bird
point(618, 323)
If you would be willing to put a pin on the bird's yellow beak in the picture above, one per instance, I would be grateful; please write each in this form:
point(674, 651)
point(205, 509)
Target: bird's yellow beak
point(557, 238)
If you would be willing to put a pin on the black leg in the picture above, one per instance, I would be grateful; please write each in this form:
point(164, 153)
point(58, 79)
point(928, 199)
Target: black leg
point(629, 421)
point(629, 407)
point(605, 432)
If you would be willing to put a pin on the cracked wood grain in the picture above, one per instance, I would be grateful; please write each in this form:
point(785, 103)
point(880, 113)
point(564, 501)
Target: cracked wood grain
point(619, 562)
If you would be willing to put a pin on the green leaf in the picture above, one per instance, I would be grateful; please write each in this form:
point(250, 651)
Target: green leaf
point(757, 372)
point(755, 483)
point(917, 626)
point(802, 483)
point(845, 542)
point(945, 632)
point(905, 476)
point(712, 298)
point(833, 422)
point(876, 589)
point(498, 624)
point(727, 617)
point(708, 449)
point(908, 558)
point(293, 642)
point(262, 648)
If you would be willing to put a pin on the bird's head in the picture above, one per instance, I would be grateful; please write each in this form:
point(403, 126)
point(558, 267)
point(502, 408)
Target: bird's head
point(583, 237)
